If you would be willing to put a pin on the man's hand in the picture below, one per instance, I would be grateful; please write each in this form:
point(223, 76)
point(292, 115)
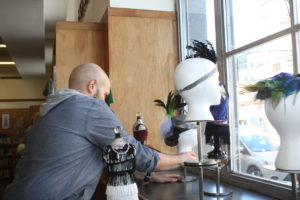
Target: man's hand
point(164, 178)
point(169, 161)
point(188, 156)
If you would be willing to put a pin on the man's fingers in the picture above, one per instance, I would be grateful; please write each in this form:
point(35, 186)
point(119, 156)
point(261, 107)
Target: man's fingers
point(173, 175)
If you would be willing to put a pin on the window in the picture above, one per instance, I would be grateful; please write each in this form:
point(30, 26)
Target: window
point(254, 40)
point(197, 22)
point(258, 41)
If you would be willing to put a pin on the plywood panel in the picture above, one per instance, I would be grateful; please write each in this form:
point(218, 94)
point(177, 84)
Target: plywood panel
point(143, 55)
point(78, 43)
point(125, 12)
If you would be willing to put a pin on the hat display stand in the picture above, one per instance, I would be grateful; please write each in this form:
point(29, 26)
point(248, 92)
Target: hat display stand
point(218, 191)
point(186, 142)
point(217, 134)
point(204, 162)
point(197, 81)
point(201, 162)
point(284, 117)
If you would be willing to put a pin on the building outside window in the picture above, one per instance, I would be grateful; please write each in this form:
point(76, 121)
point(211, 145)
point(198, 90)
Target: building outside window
point(254, 40)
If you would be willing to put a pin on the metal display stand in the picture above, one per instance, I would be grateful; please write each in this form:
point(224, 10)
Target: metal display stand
point(218, 192)
point(201, 162)
point(187, 178)
point(295, 183)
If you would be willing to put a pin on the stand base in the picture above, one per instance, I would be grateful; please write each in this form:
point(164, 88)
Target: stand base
point(218, 194)
point(217, 154)
point(188, 179)
point(201, 163)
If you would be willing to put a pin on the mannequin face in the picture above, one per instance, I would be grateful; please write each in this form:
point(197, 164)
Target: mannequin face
point(285, 116)
point(214, 93)
point(207, 91)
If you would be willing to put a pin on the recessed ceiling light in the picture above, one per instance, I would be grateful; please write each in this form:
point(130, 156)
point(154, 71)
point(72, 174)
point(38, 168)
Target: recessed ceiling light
point(2, 46)
point(7, 63)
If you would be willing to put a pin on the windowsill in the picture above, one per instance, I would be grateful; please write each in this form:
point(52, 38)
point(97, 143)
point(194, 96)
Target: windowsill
point(271, 189)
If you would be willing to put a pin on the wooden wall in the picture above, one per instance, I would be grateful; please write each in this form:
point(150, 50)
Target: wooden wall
point(78, 43)
point(143, 54)
point(138, 49)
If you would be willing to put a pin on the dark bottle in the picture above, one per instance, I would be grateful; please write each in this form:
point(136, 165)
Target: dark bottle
point(140, 131)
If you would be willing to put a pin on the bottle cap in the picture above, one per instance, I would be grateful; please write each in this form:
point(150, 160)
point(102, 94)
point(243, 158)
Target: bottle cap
point(117, 131)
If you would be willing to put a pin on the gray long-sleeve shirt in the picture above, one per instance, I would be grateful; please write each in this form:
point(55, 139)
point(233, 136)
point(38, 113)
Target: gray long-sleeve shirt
point(63, 155)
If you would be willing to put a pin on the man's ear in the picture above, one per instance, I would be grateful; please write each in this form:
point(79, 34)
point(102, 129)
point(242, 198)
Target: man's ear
point(91, 86)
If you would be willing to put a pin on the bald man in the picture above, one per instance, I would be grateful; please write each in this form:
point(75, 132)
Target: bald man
point(63, 154)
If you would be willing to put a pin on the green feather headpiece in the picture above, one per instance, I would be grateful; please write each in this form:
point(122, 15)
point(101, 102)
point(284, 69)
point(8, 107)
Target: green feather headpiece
point(173, 103)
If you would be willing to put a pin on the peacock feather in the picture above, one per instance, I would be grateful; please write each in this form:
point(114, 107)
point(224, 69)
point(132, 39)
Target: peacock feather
point(276, 87)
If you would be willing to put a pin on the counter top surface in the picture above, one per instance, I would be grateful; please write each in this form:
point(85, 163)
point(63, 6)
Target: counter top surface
point(190, 190)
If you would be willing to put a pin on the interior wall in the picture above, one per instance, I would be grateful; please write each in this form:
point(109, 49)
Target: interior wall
point(96, 9)
point(162, 5)
point(17, 105)
point(22, 88)
point(72, 10)
point(15, 93)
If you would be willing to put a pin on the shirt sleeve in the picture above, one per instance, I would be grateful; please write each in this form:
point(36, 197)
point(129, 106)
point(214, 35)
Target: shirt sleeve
point(100, 124)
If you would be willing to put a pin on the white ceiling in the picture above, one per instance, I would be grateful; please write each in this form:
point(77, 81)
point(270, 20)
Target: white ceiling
point(27, 27)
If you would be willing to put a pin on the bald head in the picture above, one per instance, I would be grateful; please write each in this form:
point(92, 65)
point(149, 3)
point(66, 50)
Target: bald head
point(89, 79)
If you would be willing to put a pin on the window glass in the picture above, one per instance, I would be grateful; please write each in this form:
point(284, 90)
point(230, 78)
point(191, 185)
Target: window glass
point(248, 21)
point(201, 20)
point(259, 142)
point(297, 11)
point(254, 42)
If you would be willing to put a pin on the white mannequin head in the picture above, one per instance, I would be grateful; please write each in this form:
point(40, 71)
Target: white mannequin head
point(285, 116)
point(187, 140)
point(285, 119)
point(204, 94)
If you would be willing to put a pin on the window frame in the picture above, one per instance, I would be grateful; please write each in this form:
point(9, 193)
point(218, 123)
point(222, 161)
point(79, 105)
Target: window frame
point(222, 11)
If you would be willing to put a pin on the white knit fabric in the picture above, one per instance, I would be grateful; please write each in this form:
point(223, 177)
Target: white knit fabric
point(123, 192)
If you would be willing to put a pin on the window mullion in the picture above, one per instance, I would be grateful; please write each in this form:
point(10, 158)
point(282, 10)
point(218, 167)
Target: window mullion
point(227, 74)
point(182, 28)
point(259, 42)
point(294, 35)
point(220, 39)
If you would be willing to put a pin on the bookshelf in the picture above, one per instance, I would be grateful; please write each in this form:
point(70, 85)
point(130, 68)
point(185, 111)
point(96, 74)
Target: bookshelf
point(8, 155)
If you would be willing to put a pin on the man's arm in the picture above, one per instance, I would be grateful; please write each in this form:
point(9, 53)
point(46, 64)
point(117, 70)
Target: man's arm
point(158, 177)
point(167, 161)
